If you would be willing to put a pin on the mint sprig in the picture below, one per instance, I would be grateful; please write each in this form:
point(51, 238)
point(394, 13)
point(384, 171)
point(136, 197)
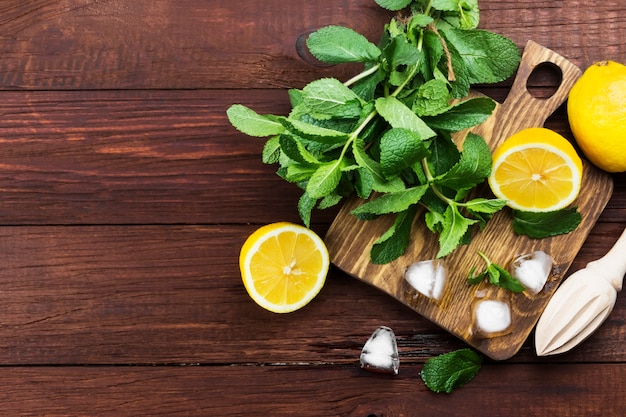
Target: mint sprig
point(385, 134)
point(496, 275)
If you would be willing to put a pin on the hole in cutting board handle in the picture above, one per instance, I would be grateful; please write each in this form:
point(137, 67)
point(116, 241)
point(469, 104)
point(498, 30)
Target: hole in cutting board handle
point(304, 53)
point(544, 80)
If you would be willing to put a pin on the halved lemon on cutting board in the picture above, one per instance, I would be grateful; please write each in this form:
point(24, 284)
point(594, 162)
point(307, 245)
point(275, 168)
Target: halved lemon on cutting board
point(536, 170)
point(283, 266)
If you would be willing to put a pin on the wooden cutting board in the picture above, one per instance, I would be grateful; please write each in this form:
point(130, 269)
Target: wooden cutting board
point(349, 240)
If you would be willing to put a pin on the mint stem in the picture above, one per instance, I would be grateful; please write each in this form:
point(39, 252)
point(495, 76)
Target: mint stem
point(436, 190)
point(362, 75)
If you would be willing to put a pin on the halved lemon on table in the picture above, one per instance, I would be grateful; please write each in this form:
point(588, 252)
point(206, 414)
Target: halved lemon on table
point(283, 266)
point(536, 170)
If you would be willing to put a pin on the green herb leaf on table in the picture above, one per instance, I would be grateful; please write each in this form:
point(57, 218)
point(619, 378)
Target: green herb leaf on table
point(394, 241)
point(329, 96)
point(338, 44)
point(271, 151)
point(463, 115)
point(324, 180)
point(251, 123)
point(400, 116)
point(473, 168)
point(546, 224)
point(432, 98)
point(449, 371)
point(393, 4)
point(488, 56)
point(390, 203)
point(496, 275)
point(400, 149)
point(373, 169)
point(455, 226)
point(294, 149)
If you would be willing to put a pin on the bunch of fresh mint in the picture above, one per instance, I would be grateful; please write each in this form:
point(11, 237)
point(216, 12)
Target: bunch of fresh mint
point(386, 134)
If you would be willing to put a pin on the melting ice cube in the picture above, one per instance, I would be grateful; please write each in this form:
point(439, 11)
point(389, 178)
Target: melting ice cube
point(533, 270)
point(427, 277)
point(380, 352)
point(491, 317)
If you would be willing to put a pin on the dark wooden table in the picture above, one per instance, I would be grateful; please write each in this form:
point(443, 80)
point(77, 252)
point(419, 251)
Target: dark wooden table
point(125, 196)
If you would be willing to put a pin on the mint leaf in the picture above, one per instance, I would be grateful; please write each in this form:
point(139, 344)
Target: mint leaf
point(251, 123)
point(393, 243)
point(305, 206)
point(502, 278)
point(295, 172)
point(393, 4)
point(329, 96)
point(463, 115)
point(444, 154)
point(390, 203)
point(378, 181)
point(473, 167)
point(398, 115)
point(454, 228)
point(546, 224)
point(325, 179)
point(460, 81)
point(399, 54)
point(452, 370)
point(460, 13)
point(330, 200)
point(433, 52)
point(399, 149)
point(295, 150)
point(496, 275)
point(432, 98)
point(488, 57)
point(271, 151)
point(445, 5)
point(338, 44)
point(363, 183)
point(483, 209)
point(315, 133)
point(478, 278)
point(483, 205)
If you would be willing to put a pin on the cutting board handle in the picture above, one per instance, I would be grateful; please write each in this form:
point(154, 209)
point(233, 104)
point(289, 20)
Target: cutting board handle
point(521, 109)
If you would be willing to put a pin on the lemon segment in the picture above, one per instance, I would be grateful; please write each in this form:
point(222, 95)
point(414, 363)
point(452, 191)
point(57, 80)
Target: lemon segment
point(283, 266)
point(536, 170)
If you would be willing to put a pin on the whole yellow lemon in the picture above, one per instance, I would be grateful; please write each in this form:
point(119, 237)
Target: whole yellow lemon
point(596, 109)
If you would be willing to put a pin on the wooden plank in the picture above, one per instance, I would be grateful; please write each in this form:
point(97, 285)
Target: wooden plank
point(173, 294)
point(196, 44)
point(138, 157)
point(564, 390)
point(166, 44)
point(128, 157)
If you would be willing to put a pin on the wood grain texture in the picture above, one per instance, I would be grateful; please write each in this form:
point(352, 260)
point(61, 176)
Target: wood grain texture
point(172, 294)
point(125, 195)
point(349, 239)
point(127, 157)
point(174, 44)
point(326, 391)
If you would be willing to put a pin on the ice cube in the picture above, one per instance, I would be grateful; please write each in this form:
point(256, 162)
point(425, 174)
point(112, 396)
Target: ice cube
point(380, 352)
point(533, 270)
point(427, 277)
point(491, 317)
